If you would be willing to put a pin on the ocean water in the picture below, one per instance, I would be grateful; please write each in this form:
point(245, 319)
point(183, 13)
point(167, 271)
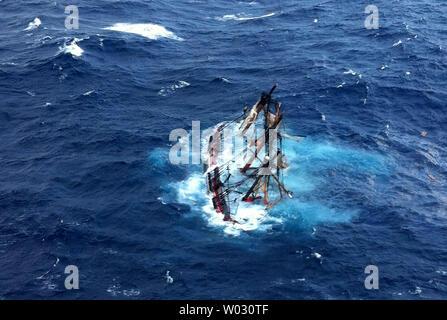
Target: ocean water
point(85, 119)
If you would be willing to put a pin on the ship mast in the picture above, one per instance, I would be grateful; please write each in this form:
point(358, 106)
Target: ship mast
point(265, 103)
point(258, 177)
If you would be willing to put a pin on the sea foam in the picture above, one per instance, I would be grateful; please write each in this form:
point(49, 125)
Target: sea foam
point(147, 30)
point(251, 216)
point(171, 89)
point(243, 18)
point(33, 24)
point(73, 48)
point(307, 176)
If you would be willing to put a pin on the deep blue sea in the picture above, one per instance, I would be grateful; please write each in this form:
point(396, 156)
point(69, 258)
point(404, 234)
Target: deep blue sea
point(85, 118)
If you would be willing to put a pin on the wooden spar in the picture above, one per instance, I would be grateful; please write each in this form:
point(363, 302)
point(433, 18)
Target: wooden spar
point(288, 136)
point(266, 120)
point(263, 142)
point(265, 99)
point(273, 204)
point(273, 88)
point(250, 143)
point(260, 145)
point(265, 190)
point(251, 115)
point(278, 106)
point(280, 184)
point(252, 118)
point(252, 188)
point(280, 187)
point(266, 127)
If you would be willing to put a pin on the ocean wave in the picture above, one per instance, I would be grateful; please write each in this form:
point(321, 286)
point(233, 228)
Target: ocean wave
point(238, 17)
point(171, 89)
point(88, 93)
point(147, 30)
point(350, 71)
point(252, 3)
point(33, 24)
point(221, 79)
point(397, 43)
point(73, 48)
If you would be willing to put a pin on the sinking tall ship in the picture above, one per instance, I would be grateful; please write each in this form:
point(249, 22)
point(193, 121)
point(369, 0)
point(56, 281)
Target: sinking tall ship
point(249, 172)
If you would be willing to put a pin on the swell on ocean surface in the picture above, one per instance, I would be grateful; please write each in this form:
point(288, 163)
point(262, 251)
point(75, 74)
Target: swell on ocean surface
point(239, 17)
point(73, 48)
point(147, 30)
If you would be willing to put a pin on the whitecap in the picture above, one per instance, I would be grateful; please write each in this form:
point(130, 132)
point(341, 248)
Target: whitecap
point(8, 64)
point(397, 43)
point(147, 30)
point(88, 93)
point(341, 85)
point(114, 289)
point(131, 292)
point(33, 24)
point(73, 48)
point(317, 255)
point(161, 200)
point(172, 88)
point(252, 3)
point(110, 251)
point(169, 279)
point(46, 273)
point(350, 71)
point(46, 38)
point(416, 291)
point(243, 18)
